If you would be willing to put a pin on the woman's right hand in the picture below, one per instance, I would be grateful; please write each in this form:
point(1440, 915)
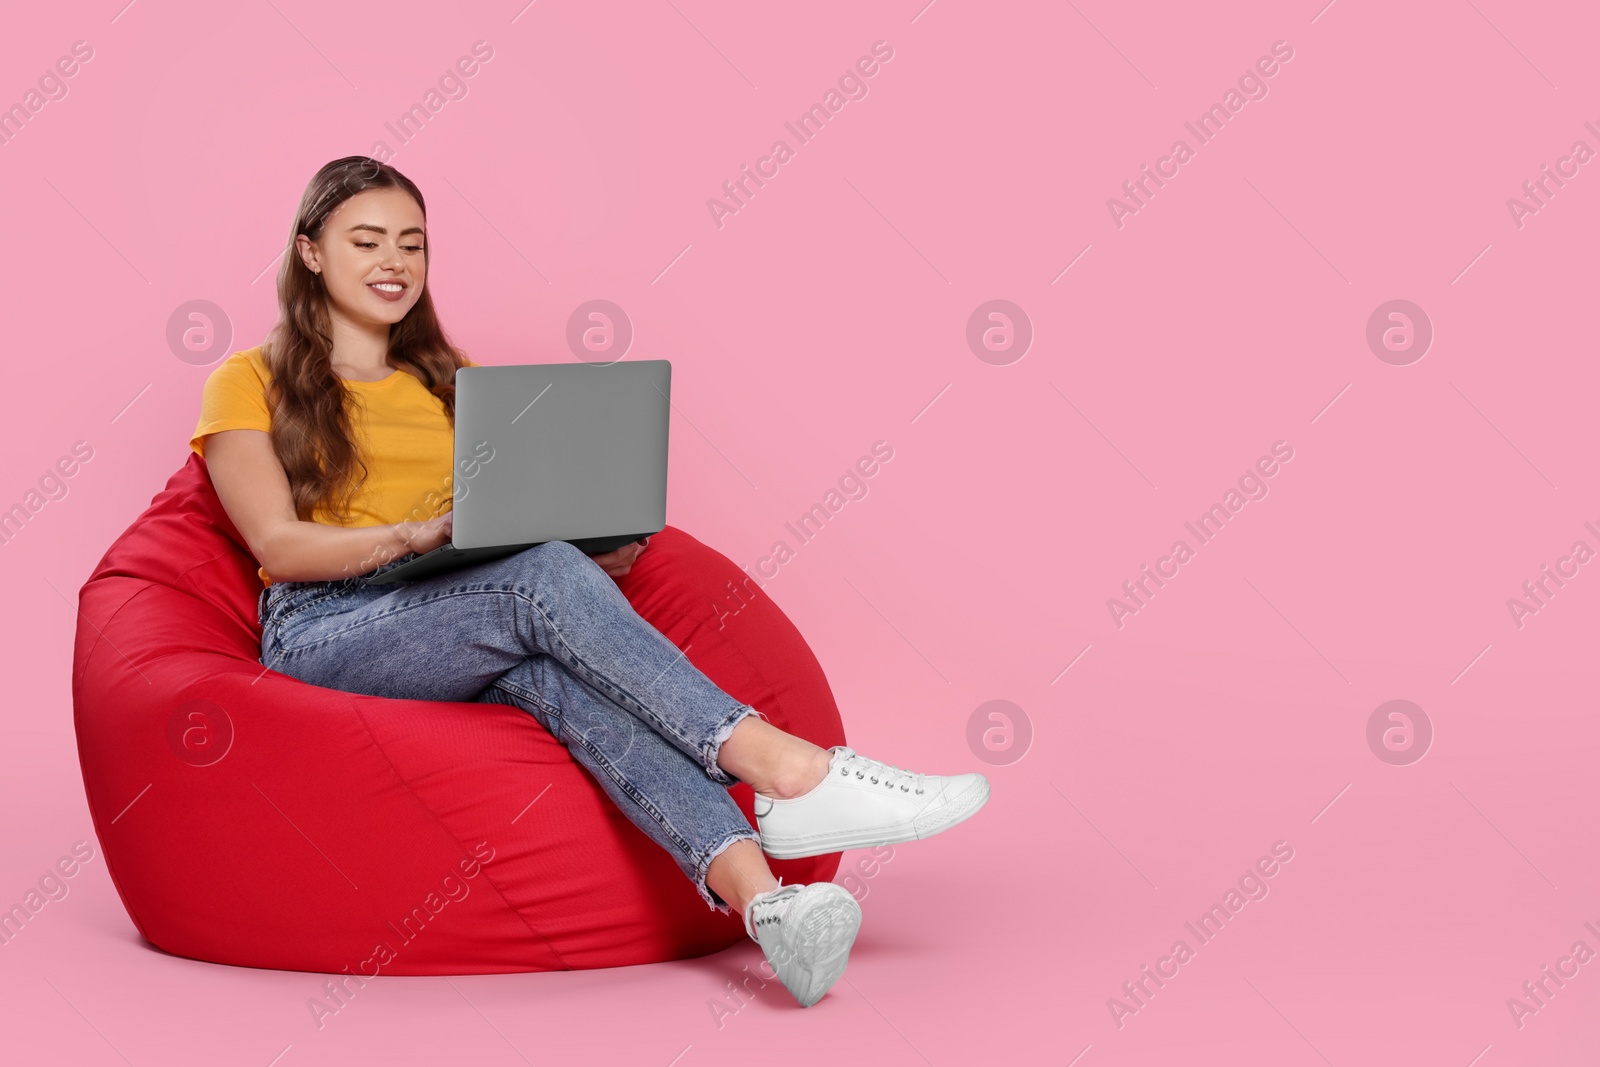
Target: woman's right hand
point(427, 535)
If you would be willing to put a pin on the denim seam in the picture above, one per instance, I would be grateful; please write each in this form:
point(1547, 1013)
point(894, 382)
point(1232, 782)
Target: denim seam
point(602, 682)
point(426, 599)
point(718, 736)
point(703, 866)
point(617, 692)
point(280, 619)
point(643, 804)
point(638, 708)
point(308, 602)
point(526, 694)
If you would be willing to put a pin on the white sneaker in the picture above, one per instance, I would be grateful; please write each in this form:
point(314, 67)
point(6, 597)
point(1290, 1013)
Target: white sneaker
point(863, 802)
point(806, 932)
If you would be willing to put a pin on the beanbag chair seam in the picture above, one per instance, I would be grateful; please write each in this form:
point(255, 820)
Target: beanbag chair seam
point(99, 627)
point(406, 783)
point(89, 790)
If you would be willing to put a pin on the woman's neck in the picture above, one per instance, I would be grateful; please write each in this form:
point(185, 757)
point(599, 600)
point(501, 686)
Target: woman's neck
point(359, 352)
point(362, 374)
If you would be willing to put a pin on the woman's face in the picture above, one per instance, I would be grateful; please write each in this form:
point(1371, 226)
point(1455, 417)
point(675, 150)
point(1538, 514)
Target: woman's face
point(370, 244)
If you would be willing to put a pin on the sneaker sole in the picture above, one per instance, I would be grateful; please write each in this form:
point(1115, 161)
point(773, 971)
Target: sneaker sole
point(825, 926)
point(959, 812)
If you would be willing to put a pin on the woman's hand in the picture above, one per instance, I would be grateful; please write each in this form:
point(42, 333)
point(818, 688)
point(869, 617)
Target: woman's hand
point(619, 561)
point(427, 535)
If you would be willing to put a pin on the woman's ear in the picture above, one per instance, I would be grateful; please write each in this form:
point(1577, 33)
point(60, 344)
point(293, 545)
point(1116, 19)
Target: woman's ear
point(306, 249)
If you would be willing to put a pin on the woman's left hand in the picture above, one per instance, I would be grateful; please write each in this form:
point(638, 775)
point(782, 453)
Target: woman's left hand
point(619, 561)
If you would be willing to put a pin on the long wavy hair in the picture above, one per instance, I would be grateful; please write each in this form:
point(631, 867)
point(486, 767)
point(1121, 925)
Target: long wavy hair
point(311, 428)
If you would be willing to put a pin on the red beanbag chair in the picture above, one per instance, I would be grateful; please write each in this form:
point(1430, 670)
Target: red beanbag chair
point(249, 818)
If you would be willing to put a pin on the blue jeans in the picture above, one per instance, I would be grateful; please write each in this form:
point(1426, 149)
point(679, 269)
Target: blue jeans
point(545, 630)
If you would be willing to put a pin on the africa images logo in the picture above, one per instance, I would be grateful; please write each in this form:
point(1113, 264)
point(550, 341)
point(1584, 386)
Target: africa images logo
point(1252, 85)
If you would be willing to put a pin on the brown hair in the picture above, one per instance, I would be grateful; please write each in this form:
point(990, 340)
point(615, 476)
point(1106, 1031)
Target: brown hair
point(311, 430)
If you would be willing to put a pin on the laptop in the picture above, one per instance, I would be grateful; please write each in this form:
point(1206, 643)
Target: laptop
point(572, 452)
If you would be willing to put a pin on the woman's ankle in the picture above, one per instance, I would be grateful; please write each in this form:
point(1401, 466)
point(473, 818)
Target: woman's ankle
point(802, 772)
point(774, 763)
point(738, 873)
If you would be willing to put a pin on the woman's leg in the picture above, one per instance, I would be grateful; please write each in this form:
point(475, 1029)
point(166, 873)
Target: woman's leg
point(549, 631)
point(661, 790)
point(548, 620)
point(739, 873)
point(775, 763)
point(805, 931)
point(451, 636)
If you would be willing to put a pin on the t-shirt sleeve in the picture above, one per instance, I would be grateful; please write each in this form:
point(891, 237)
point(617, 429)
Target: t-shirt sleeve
point(234, 398)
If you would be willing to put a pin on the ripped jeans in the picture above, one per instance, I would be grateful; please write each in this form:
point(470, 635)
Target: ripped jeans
point(545, 630)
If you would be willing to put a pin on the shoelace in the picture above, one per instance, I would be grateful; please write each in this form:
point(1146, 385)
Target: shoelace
point(771, 896)
point(876, 771)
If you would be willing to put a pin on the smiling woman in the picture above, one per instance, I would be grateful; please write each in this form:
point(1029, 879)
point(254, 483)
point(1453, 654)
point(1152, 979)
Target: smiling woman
point(325, 441)
point(356, 260)
point(349, 402)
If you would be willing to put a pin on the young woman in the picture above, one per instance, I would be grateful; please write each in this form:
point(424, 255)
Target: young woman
point(330, 446)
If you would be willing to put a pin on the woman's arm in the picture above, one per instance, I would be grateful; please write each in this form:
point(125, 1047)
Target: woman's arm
point(254, 490)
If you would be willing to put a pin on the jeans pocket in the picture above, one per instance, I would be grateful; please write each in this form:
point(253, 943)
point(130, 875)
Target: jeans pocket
point(288, 631)
point(292, 610)
point(298, 597)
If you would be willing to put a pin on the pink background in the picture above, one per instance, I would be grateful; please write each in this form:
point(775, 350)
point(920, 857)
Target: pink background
point(831, 312)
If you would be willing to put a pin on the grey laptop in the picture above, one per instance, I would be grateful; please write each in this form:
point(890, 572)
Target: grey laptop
point(553, 452)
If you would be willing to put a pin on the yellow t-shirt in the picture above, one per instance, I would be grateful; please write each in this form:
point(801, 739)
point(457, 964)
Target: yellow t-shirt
point(401, 431)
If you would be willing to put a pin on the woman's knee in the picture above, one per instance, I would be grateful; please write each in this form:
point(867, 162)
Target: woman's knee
point(558, 561)
point(561, 556)
point(565, 551)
